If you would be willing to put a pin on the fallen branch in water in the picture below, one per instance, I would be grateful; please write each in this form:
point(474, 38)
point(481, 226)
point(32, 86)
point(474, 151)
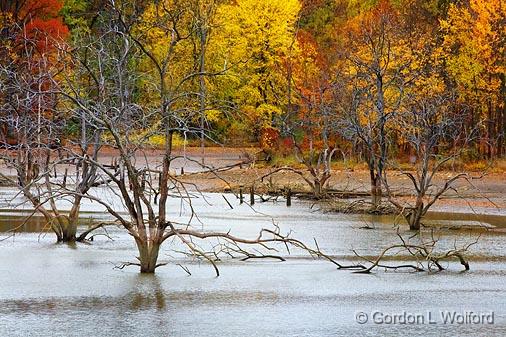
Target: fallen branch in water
point(83, 236)
point(236, 247)
point(424, 253)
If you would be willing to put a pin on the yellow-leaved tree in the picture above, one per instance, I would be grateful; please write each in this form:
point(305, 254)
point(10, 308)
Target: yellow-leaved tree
point(474, 50)
point(258, 37)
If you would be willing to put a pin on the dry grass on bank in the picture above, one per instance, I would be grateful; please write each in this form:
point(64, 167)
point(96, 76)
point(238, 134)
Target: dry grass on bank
point(489, 166)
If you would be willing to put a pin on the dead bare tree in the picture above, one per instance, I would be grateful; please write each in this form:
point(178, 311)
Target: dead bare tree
point(118, 114)
point(320, 127)
point(204, 12)
point(435, 130)
point(33, 123)
point(312, 129)
point(378, 58)
point(318, 165)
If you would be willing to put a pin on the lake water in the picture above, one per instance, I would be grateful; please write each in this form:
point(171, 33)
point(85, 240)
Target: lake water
point(48, 289)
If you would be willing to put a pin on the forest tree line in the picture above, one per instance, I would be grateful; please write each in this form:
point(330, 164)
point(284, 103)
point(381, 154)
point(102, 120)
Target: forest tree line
point(275, 72)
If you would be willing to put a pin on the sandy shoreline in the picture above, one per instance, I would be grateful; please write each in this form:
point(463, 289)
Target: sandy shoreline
point(483, 196)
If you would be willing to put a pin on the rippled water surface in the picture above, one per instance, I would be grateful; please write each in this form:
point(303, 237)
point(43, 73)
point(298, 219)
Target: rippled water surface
point(58, 290)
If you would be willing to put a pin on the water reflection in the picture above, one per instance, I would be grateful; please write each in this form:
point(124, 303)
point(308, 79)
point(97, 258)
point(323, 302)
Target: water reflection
point(148, 294)
point(22, 223)
point(29, 223)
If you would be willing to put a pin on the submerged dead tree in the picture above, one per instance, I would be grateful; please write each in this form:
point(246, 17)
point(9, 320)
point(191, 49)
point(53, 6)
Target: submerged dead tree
point(123, 57)
point(33, 122)
point(423, 249)
point(310, 127)
point(435, 130)
point(377, 73)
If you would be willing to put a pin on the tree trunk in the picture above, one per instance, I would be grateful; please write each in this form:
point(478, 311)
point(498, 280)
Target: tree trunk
point(202, 83)
point(376, 192)
point(69, 233)
point(414, 216)
point(148, 255)
point(68, 225)
point(317, 188)
point(63, 228)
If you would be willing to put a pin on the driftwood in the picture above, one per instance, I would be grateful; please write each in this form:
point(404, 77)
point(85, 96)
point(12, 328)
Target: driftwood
point(424, 254)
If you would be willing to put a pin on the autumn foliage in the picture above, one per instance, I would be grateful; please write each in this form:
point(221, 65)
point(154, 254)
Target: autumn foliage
point(35, 20)
point(33, 30)
point(293, 69)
